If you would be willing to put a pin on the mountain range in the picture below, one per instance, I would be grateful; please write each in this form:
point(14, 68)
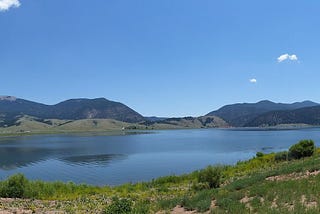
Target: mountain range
point(100, 113)
point(307, 115)
point(73, 109)
point(243, 114)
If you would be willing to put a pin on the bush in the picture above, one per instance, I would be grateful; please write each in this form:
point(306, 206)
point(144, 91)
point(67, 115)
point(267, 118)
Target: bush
point(14, 187)
point(201, 201)
point(119, 206)
point(210, 175)
point(142, 207)
point(168, 203)
point(259, 154)
point(196, 186)
point(305, 148)
point(281, 156)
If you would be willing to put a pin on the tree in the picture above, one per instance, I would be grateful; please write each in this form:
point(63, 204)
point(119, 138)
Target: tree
point(305, 148)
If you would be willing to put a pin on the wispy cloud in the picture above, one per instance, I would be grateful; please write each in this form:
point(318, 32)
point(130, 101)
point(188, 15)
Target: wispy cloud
point(253, 80)
point(7, 4)
point(284, 57)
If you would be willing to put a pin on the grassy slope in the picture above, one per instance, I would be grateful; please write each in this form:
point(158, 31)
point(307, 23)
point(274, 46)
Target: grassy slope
point(190, 122)
point(32, 125)
point(245, 189)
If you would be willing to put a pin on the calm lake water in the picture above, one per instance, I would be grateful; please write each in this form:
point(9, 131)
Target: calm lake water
point(112, 160)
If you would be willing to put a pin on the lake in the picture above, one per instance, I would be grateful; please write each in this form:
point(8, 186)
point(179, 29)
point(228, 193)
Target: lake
point(113, 160)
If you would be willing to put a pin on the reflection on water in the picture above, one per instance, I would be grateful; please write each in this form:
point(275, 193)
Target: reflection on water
point(267, 148)
point(113, 160)
point(13, 157)
point(97, 160)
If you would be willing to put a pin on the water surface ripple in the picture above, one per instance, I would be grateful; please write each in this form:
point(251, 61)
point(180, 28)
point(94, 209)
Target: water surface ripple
point(113, 160)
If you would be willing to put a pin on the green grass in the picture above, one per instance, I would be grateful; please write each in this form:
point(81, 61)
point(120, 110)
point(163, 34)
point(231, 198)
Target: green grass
point(199, 201)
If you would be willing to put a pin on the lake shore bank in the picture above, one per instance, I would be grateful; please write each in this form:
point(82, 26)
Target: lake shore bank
point(119, 159)
point(115, 132)
point(255, 185)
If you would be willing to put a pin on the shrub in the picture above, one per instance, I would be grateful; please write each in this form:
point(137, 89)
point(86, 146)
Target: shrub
point(304, 148)
point(14, 187)
point(210, 175)
point(168, 203)
point(196, 186)
point(201, 201)
point(259, 154)
point(281, 156)
point(119, 206)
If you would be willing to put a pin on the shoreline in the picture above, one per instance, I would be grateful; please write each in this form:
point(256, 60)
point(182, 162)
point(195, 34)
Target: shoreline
point(238, 187)
point(119, 132)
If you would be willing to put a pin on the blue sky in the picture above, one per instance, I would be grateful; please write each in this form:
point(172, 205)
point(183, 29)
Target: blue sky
point(164, 58)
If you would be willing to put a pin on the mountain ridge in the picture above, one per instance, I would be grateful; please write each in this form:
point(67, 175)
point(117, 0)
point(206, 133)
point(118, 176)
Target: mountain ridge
point(262, 113)
point(80, 108)
point(307, 115)
point(240, 114)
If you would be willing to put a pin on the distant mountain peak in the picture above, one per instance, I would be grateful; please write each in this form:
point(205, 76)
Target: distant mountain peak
point(307, 102)
point(86, 99)
point(8, 98)
point(265, 102)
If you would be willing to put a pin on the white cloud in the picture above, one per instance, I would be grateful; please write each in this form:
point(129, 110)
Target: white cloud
point(293, 57)
point(284, 57)
point(253, 80)
point(6, 4)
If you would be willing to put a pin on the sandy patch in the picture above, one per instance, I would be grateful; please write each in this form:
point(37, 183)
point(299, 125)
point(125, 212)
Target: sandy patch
point(293, 176)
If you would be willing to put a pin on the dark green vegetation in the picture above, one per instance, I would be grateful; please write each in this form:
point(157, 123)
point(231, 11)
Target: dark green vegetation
point(14, 187)
point(267, 183)
point(119, 206)
point(210, 177)
point(308, 115)
point(269, 113)
point(305, 148)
